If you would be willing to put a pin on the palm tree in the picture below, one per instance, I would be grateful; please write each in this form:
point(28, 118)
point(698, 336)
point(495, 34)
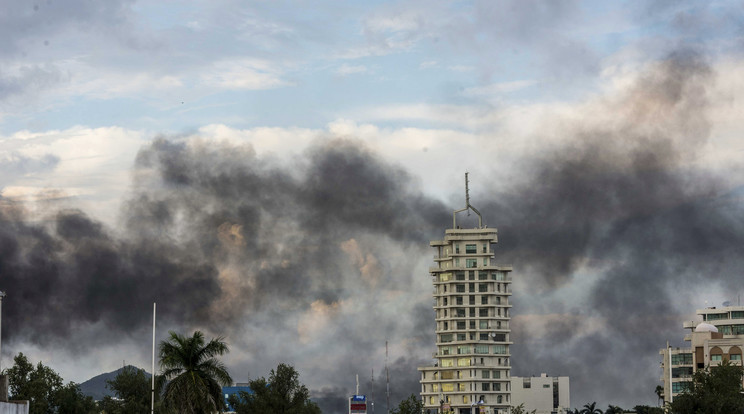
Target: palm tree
point(193, 373)
point(659, 393)
point(591, 409)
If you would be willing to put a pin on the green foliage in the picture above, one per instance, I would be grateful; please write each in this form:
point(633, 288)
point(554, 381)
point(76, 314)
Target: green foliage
point(591, 409)
point(44, 389)
point(714, 390)
point(133, 392)
point(520, 410)
point(410, 405)
point(193, 373)
point(645, 409)
point(281, 393)
point(613, 409)
point(70, 400)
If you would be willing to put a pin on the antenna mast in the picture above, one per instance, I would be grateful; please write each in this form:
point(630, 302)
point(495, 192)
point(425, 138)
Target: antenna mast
point(387, 379)
point(467, 208)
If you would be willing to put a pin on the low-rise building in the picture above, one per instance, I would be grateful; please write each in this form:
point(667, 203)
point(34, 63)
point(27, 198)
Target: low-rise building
point(544, 394)
point(719, 337)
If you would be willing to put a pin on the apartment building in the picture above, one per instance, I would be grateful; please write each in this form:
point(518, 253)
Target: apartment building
point(471, 369)
point(719, 337)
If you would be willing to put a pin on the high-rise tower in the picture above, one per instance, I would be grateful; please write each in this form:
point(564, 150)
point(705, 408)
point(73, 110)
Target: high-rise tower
point(471, 371)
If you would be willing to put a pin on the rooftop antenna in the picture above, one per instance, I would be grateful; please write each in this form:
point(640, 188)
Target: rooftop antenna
point(467, 208)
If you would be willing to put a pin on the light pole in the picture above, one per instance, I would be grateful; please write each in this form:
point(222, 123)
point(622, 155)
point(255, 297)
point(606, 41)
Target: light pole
point(2, 295)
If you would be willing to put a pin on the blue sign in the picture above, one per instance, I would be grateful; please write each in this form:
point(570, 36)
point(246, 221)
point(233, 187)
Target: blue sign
point(358, 398)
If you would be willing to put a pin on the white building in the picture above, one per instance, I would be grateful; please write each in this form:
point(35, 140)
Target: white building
point(544, 394)
point(719, 337)
point(471, 303)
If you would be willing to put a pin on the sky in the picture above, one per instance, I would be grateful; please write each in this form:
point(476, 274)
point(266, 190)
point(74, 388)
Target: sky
point(273, 171)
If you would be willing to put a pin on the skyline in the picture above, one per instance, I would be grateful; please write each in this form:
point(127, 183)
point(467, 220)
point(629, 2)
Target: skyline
point(273, 172)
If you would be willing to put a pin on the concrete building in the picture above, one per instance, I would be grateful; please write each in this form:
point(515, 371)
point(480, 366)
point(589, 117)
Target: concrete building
point(471, 368)
point(719, 337)
point(544, 394)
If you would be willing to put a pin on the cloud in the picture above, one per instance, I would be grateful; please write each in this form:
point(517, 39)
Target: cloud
point(247, 74)
point(346, 70)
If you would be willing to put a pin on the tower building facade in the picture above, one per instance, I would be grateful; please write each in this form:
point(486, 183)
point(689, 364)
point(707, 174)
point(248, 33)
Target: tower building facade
point(471, 369)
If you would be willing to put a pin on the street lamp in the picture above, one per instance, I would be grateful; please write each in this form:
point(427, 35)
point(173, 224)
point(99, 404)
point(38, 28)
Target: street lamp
point(2, 295)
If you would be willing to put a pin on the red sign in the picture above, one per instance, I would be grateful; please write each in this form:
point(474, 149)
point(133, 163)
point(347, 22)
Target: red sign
point(361, 407)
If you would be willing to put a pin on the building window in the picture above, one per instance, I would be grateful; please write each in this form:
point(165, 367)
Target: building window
point(448, 362)
point(681, 372)
point(472, 312)
point(434, 387)
point(465, 399)
point(716, 357)
point(481, 349)
point(485, 386)
point(458, 300)
point(446, 326)
point(448, 387)
point(682, 386)
point(463, 349)
point(471, 287)
point(485, 261)
point(470, 249)
point(471, 263)
point(483, 312)
point(461, 337)
point(682, 359)
point(499, 349)
point(484, 337)
point(483, 324)
point(484, 300)
point(471, 275)
point(735, 357)
point(457, 248)
point(472, 324)
point(485, 247)
point(471, 300)
point(463, 362)
point(460, 312)
point(445, 338)
point(460, 386)
point(460, 275)
point(457, 262)
point(485, 374)
point(460, 288)
point(432, 401)
point(482, 275)
point(737, 314)
point(445, 277)
point(482, 287)
point(496, 374)
point(461, 325)
point(497, 386)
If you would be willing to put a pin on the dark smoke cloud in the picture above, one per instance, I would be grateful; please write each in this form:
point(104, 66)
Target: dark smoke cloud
point(622, 202)
point(318, 263)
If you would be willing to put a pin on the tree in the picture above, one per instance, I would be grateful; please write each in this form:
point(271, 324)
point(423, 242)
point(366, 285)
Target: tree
point(520, 410)
point(44, 389)
point(645, 409)
point(132, 389)
point(70, 400)
point(712, 390)
point(659, 393)
point(410, 405)
point(193, 374)
point(282, 393)
point(613, 409)
point(591, 409)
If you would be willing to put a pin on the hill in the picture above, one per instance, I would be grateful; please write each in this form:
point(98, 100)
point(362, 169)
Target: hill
point(96, 386)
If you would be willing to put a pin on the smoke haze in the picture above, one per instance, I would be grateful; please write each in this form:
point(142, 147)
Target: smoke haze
point(317, 262)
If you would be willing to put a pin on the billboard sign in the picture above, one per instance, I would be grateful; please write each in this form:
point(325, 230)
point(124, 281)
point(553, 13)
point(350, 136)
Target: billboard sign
point(358, 404)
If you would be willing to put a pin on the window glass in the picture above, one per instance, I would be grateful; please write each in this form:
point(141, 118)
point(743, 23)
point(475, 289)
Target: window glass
point(448, 387)
point(482, 275)
point(445, 338)
point(483, 324)
point(481, 349)
point(483, 312)
point(463, 362)
point(485, 374)
point(448, 374)
point(471, 263)
point(444, 277)
point(735, 357)
point(484, 337)
point(485, 386)
point(461, 337)
point(460, 275)
point(737, 314)
point(448, 362)
point(482, 287)
point(716, 357)
point(470, 249)
point(463, 349)
point(499, 349)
